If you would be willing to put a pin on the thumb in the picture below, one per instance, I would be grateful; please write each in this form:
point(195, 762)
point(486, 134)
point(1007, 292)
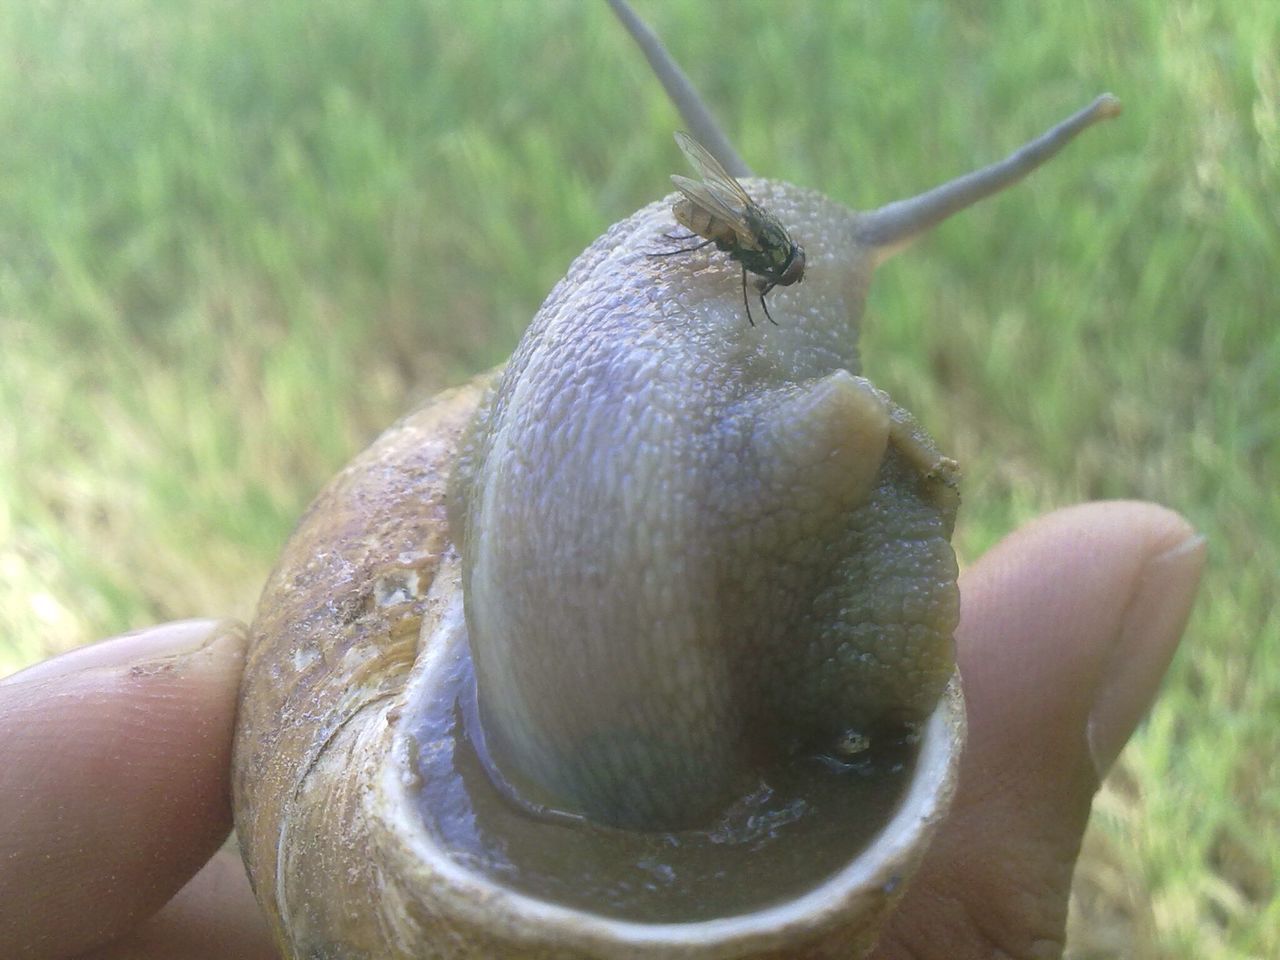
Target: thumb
point(1067, 628)
point(115, 782)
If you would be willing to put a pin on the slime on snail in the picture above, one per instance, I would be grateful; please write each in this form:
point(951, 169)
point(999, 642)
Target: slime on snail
point(805, 824)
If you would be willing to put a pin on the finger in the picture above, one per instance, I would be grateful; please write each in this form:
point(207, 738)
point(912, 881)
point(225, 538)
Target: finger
point(115, 782)
point(1067, 627)
point(214, 917)
point(1070, 622)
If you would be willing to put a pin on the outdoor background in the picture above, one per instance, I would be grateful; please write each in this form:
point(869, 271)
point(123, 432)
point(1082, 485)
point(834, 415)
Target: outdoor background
point(237, 239)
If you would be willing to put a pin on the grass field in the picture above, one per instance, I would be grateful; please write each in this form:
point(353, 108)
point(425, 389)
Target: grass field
point(237, 239)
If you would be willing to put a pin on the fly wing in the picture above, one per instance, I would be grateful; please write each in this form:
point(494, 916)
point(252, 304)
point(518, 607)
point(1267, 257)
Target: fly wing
point(714, 201)
point(709, 168)
point(718, 193)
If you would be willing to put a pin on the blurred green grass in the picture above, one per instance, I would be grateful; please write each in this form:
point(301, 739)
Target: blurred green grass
point(238, 239)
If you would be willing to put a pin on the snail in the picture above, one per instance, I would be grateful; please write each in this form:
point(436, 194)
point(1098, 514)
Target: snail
point(638, 647)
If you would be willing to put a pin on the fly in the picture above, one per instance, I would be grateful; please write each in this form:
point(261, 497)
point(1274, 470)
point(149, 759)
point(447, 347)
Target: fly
point(717, 209)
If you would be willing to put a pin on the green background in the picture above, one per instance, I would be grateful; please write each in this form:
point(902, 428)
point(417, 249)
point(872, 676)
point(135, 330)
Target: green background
point(237, 239)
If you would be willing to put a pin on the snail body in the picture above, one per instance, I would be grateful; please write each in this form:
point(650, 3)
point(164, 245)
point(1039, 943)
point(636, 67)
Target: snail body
point(670, 524)
point(645, 595)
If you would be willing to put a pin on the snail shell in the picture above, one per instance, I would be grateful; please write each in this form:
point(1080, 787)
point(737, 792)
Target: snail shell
point(641, 415)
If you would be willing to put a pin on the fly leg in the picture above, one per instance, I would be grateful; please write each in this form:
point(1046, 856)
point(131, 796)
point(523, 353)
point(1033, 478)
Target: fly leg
point(672, 253)
point(763, 288)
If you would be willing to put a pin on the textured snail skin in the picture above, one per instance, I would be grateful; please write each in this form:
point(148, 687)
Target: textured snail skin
point(691, 545)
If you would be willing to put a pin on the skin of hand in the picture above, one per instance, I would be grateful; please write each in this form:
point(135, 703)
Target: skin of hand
point(115, 795)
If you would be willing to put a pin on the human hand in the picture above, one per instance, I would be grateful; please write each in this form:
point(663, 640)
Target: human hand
point(115, 797)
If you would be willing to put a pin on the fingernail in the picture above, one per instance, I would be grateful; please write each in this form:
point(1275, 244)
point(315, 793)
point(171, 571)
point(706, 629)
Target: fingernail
point(168, 643)
point(1152, 626)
